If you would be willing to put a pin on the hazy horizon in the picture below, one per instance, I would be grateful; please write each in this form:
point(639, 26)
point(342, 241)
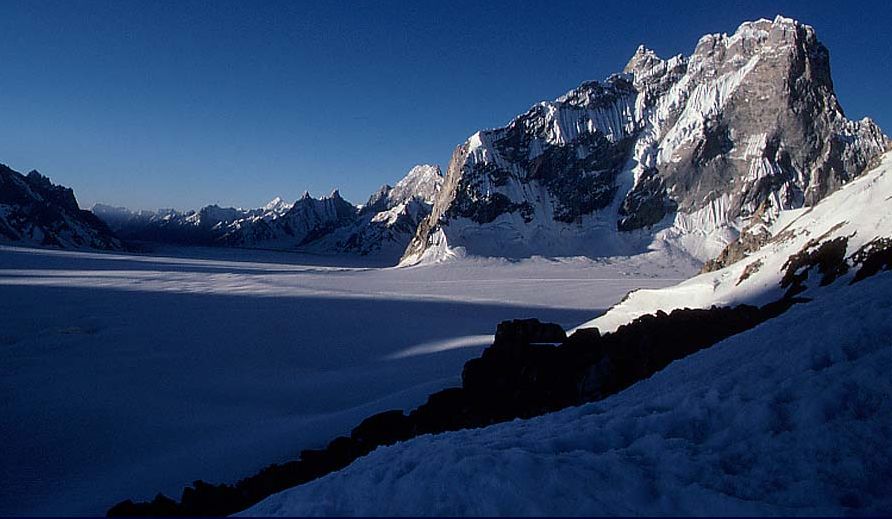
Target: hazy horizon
point(147, 105)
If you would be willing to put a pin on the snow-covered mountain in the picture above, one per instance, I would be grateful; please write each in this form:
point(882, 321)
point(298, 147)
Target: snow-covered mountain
point(306, 220)
point(202, 227)
point(276, 206)
point(34, 211)
point(384, 225)
point(681, 151)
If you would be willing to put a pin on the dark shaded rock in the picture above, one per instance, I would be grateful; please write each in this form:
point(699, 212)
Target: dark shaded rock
point(646, 204)
point(749, 270)
point(160, 506)
point(209, 499)
point(829, 257)
point(872, 257)
point(528, 331)
point(446, 410)
point(383, 429)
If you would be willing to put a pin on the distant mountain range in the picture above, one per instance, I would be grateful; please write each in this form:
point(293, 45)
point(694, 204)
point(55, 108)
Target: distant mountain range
point(382, 226)
point(686, 153)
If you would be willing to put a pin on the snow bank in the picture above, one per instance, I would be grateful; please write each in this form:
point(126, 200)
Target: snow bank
point(791, 417)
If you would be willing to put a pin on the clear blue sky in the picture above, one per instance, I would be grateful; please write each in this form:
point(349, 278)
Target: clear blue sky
point(181, 104)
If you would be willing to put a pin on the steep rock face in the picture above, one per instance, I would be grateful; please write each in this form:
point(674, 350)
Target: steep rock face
point(683, 151)
point(519, 189)
point(34, 211)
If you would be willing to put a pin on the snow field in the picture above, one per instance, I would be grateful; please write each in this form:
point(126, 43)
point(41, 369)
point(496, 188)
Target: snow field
point(125, 375)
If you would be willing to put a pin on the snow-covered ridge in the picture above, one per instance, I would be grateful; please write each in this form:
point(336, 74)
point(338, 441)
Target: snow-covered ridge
point(277, 206)
point(423, 181)
point(860, 212)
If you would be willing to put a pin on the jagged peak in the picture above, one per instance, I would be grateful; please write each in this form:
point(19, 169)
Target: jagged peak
point(377, 198)
point(778, 19)
point(423, 181)
point(335, 194)
point(277, 205)
point(786, 30)
point(421, 171)
point(585, 86)
point(590, 93)
point(36, 176)
point(643, 59)
point(306, 195)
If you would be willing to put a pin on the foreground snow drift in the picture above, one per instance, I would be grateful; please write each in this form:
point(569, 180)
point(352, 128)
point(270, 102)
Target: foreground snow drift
point(791, 417)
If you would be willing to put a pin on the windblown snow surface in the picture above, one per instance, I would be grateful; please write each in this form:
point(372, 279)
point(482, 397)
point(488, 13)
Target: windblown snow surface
point(791, 417)
point(125, 375)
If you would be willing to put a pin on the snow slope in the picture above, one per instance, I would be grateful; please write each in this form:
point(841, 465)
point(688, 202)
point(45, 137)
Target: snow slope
point(790, 418)
point(125, 375)
point(860, 212)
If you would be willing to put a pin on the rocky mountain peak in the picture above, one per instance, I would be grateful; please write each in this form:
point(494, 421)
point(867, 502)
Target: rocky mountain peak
point(50, 192)
point(35, 211)
point(422, 181)
point(36, 176)
point(684, 149)
point(642, 61)
point(378, 200)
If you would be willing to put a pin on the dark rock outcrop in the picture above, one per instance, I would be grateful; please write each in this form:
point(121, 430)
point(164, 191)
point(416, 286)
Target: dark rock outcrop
point(34, 211)
point(523, 374)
